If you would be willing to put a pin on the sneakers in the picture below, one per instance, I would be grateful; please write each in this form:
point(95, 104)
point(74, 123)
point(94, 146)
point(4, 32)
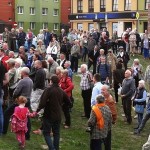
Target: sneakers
point(44, 147)
point(66, 127)
point(135, 117)
point(123, 115)
point(137, 132)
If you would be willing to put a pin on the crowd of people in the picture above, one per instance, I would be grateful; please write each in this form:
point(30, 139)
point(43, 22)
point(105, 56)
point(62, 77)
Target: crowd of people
point(38, 77)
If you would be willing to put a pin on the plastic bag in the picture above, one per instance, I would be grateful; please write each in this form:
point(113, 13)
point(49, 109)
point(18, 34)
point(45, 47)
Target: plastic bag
point(119, 90)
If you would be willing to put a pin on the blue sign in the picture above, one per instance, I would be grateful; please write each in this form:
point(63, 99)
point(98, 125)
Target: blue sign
point(101, 16)
point(85, 16)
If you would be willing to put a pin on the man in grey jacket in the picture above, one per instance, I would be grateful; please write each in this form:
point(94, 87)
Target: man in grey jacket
point(128, 88)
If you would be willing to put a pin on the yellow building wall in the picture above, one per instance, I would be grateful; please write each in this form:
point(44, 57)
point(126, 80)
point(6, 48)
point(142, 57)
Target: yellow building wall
point(74, 6)
point(141, 4)
point(85, 6)
point(96, 5)
point(134, 4)
point(120, 5)
point(108, 5)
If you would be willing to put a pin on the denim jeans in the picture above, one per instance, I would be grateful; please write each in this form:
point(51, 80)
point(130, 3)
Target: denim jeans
point(1, 112)
point(55, 127)
point(140, 117)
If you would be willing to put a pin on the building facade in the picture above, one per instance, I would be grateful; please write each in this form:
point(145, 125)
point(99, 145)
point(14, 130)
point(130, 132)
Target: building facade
point(38, 14)
point(114, 14)
point(65, 11)
point(6, 14)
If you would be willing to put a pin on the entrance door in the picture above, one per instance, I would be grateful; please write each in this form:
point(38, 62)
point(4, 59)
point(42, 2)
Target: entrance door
point(145, 26)
point(127, 25)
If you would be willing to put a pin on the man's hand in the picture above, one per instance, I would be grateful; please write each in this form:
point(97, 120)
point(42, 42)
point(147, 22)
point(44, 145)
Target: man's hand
point(122, 96)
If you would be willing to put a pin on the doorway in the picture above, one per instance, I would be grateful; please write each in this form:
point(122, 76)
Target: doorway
point(127, 25)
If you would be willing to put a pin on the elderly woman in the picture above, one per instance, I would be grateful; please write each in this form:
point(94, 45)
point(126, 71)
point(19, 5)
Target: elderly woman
point(137, 71)
point(140, 101)
point(132, 41)
point(66, 84)
point(58, 72)
point(40, 36)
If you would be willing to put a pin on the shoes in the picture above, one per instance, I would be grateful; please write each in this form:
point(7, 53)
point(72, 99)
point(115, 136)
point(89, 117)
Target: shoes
point(44, 147)
point(137, 132)
point(83, 116)
point(66, 127)
point(39, 132)
point(123, 115)
point(135, 117)
point(136, 127)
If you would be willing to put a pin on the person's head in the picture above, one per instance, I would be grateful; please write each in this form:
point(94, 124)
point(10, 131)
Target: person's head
point(18, 62)
point(21, 100)
point(11, 54)
point(11, 63)
point(5, 46)
point(105, 90)
point(136, 61)
point(38, 64)
point(96, 78)
point(110, 52)
point(103, 60)
point(62, 56)
point(25, 72)
point(2, 52)
point(100, 99)
point(62, 30)
point(41, 31)
point(121, 49)
point(59, 70)
point(54, 80)
point(44, 64)
point(32, 50)
point(96, 48)
point(127, 74)
point(50, 60)
point(64, 73)
point(6, 29)
point(36, 57)
point(20, 29)
point(40, 42)
point(84, 68)
point(67, 64)
point(101, 51)
point(21, 49)
point(119, 65)
point(141, 84)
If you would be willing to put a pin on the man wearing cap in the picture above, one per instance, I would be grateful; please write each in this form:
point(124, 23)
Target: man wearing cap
point(123, 57)
point(52, 105)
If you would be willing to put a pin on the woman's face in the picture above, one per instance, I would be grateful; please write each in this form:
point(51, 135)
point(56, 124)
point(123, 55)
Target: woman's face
point(141, 85)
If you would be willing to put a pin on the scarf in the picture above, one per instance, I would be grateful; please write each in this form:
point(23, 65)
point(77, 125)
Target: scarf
point(99, 116)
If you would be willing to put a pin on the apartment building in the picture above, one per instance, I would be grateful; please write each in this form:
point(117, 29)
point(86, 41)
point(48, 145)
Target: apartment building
point(114, 14)
point(38, 14)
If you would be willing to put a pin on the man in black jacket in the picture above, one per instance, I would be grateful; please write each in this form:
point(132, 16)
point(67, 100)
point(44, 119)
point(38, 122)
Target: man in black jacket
point(52, 105)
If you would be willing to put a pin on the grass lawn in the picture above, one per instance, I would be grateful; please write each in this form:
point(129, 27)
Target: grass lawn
point(76, 138)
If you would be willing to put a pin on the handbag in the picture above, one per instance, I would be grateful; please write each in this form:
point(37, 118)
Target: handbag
point(139, 109)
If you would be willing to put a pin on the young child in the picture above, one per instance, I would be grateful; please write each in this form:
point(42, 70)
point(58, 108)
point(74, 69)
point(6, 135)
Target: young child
point(19, 120)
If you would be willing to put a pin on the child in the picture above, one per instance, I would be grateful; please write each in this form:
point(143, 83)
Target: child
point(19, 120)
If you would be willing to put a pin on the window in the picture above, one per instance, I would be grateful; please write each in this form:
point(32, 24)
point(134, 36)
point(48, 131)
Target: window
point(20, 9)
point(45, 25)
point(102, 5)
point(91, 5)
point(80, 26)
point(90, 26)
point(20, 24)
point(80, 6)
point(127, 5)
point(56, 0)
point(44, 11)
point(56, 26)
point(32, 11)
point(146, 4)
point(115, 5)
point(32, 25)
point(55, 13)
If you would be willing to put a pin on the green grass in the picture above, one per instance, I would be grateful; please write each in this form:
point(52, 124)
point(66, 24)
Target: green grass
point(76, 138)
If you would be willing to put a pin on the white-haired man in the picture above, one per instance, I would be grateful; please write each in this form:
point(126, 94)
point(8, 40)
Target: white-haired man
point(128, 89)
point(67, 66)
point(24, 88)
point(85, 84)
point(21, 37)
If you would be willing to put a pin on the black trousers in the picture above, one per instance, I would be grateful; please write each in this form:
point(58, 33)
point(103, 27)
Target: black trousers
point(86, 95)
point(94, 66)
point(7, 115)
point(74, 63)
point(67, 115)
point(116, 86)
point(127, 108)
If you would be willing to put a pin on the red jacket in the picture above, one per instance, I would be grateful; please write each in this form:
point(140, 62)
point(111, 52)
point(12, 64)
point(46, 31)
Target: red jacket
point(4, 59)
point(67, 85)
